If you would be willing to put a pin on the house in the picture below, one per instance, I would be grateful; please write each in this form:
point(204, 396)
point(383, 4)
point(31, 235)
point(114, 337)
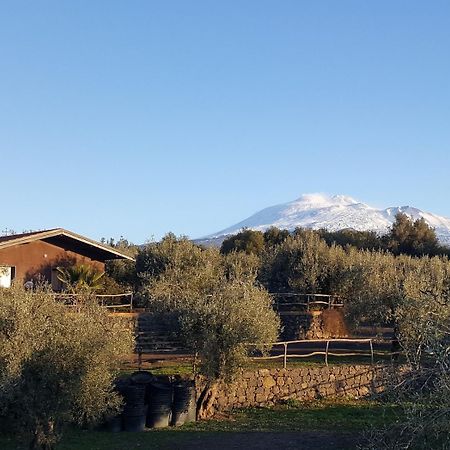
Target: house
point(36, 255)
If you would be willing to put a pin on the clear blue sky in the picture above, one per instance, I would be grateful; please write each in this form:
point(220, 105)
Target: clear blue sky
point(136, 118)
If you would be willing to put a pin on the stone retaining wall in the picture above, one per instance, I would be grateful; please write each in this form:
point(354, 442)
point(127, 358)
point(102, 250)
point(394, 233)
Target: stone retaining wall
point(265, 387)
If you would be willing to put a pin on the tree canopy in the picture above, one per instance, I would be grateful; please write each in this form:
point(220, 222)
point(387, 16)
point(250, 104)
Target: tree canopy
point(405, 237)
point(247, 241)
point(56, 366)
point(413, 238)
point(219, 304)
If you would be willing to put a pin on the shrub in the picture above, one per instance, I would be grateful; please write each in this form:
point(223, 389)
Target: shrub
point(56, 366)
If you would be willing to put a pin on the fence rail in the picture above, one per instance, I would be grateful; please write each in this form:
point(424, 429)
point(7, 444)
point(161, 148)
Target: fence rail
point(308, 300)
point(285, 355)
point(103, 300)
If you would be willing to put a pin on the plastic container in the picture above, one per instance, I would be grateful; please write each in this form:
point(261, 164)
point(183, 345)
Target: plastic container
point(134, 418)
point(160, 396)
point(184, 405)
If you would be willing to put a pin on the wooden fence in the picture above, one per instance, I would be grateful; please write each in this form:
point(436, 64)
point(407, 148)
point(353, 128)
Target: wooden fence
point(292, 300)
point(105, 300)
point(285, 354)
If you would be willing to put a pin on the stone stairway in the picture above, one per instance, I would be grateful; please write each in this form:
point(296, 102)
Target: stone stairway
point(155, 336)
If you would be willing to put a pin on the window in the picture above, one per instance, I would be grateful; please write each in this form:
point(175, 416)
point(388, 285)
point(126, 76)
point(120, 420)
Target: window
point(7, 275)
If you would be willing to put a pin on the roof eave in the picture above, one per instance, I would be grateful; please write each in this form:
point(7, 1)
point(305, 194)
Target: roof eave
point(61, 231)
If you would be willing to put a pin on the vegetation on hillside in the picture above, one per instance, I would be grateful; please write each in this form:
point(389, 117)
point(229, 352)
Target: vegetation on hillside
point(406, 237)
point(369, 272)
point(220, 300)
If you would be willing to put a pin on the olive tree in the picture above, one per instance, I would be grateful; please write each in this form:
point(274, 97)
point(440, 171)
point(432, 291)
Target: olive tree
point(120, 274)
point(423, 391)
point(219, 305)
point(56, 365)
point(247, 241)
point(296, 265)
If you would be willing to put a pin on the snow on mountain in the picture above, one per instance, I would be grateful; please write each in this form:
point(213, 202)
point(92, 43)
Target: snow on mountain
point(333, 213)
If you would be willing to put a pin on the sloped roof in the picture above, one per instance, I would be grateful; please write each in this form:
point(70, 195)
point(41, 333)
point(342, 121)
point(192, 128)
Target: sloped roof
point(66, 239)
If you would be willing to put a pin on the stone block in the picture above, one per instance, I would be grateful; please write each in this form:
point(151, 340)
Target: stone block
point(260, 398)
point(268, 382)
point(363, 391)
point(285, 390)
point(221, 401)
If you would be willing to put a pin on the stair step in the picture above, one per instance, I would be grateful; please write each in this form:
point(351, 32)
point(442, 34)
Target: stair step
point(154, 336)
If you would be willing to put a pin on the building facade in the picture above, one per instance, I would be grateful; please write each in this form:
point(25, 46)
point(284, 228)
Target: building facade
point(32, 256)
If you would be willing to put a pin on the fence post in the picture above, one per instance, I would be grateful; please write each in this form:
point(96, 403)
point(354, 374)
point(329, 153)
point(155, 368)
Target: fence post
point(285, 355)
point(131, 302)
point(371, 350)
point(139, 358)
point(326, 353)
point(194, 364)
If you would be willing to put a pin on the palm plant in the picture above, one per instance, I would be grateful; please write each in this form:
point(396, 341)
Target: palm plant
point(80, 277)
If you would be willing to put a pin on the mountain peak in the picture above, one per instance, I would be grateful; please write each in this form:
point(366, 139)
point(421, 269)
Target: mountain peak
point(335, 212)
point(324, 200)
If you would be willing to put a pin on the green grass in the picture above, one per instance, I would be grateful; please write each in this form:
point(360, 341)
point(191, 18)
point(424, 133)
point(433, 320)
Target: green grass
point(295, 416)
point(335, 416)
point(316, 361)
point(181, 369)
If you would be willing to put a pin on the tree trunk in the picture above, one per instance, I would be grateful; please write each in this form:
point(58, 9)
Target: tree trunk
point(44, 437)
point(206, 400)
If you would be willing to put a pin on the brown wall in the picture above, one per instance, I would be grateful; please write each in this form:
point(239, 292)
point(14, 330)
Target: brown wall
point(40, 257)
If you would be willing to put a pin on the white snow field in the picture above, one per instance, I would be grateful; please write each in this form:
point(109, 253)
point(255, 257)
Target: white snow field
point(333, 213)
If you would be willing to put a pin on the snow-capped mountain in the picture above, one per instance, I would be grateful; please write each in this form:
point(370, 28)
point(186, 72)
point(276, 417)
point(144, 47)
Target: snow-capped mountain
point(333, 213)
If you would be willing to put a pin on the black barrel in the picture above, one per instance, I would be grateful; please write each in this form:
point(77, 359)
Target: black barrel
point(160, 404)
point(184, 406)
point(143, 378)
point(134, 418)
point(114, 424)
point(134, 395)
